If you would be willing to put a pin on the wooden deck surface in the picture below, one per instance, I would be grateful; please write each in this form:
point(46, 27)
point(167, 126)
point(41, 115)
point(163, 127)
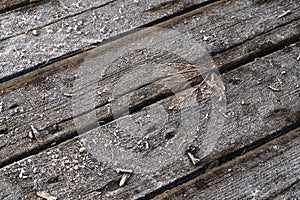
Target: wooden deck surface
point(48, 47)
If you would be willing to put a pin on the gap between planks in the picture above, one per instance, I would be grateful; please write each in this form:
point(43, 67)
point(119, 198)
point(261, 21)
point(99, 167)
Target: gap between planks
point(239, 151)
point(69, 61)
point(239, 164)
point(159, 17)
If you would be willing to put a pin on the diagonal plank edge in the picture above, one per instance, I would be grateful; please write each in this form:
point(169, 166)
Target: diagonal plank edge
point(28, 19)
point(59, 119)
point(28, 60)
point(266, 172)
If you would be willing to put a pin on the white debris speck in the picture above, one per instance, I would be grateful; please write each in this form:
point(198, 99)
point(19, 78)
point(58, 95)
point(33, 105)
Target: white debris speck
point(68, 94)
point(35, 33)
point(82, 150)
point(21, 175)
point(36, 134)
point(30, 134)
point(284, 14)
point(205, 38)
point(123, 180)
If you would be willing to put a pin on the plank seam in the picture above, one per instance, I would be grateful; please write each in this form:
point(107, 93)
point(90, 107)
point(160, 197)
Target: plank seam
point(222, 160)
point(73, 134)
point(119, 36)
point(286, 189)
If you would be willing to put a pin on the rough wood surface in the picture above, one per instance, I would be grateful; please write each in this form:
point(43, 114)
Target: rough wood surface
point(222, 27)
point(66, 173)
point(29, 99)
point(33, 36)
point(40, 15)
point(270, 171)
point(292, 192)
point(6, 5)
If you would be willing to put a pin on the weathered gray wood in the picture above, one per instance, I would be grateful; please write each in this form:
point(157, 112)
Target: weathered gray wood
point(66, 173)
point(272, 169)
point(292, 192)
point(27, 19)
point(42, 102)
point(6, 5)
point(72, 28)
point(214, 26)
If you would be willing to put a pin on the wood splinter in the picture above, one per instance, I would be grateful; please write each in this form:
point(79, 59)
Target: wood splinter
point(273, 88)
point(284, 14)
point(126, 174)
point(194, 160)
point(124, 178)
point(36, 134)
point(69, 94)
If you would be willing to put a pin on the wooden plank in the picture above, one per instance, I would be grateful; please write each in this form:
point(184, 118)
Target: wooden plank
point(6, 5)
point(27, 19)
point(92, 22)
point(32, 51)
point(66, 173)
point(260, 174)
point(292, 192)
point(43, 95)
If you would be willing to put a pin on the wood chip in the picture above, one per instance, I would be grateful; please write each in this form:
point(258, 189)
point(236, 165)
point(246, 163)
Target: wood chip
point(124, 178)
point(82, 150)
point(194, 160)
point(284, 14)
point(46, 195)
point(128, 171)
point(36, 134)
point(274, 89)
point(68, 94)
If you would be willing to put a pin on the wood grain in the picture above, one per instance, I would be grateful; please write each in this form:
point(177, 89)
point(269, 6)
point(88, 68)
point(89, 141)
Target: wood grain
point(38, 98)
point(7, 5)
point(66, 173)
point(214, 27)
point(270, 171)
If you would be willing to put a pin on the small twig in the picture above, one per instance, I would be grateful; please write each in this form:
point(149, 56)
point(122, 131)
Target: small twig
point(284, 14)
point(126, 174)
point(128, 171)
point(36, 134)
point(274, 89)
point(124, 178)
point(194, 160)
point(69, 94)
